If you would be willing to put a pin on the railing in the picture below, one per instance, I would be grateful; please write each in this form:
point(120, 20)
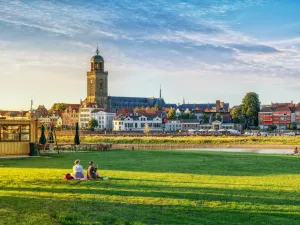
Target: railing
point(72, 147)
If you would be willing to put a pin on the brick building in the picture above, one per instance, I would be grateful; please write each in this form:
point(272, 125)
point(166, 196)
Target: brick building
point(279, 115)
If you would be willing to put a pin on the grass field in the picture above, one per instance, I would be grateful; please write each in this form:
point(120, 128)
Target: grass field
point(277, 140)
point(153, 187)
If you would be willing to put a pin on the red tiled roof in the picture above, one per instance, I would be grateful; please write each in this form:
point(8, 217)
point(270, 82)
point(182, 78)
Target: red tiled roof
point(98, 110)
point(288, 104)
point(266, 109)
point(282, 109)
point(125, 110)
point(72, 105)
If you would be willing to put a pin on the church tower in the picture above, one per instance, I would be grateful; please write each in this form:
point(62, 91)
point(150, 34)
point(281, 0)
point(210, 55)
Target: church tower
point(97, 81)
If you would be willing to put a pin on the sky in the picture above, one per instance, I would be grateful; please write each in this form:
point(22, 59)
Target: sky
point(197, 50)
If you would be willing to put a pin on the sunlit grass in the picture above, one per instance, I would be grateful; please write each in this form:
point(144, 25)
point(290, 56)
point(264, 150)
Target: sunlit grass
point(153, 187)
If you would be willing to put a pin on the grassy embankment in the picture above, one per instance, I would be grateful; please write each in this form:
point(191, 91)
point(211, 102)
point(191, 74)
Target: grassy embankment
point(153, 187)
point(187, 140)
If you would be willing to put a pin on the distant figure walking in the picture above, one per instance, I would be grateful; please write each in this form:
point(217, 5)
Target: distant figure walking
point(296, 151)
point(78, 170)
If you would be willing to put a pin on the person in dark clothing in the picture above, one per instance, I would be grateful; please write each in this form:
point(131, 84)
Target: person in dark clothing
point(92, 171)
point(296, 151)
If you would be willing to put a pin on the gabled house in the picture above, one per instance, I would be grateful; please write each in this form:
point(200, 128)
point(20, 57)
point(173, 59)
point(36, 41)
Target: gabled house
point(137, 123)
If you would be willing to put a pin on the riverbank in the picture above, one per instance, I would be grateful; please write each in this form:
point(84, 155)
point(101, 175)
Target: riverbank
point(195, 146)
point(197, 141)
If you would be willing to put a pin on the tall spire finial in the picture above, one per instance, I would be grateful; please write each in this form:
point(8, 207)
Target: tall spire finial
point(160, 92)
point(97, 51)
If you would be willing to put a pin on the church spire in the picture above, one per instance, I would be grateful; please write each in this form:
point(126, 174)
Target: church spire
point(160, 92)
point(97, 51)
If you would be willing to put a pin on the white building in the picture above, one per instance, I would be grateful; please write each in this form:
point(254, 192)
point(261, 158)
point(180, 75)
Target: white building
point(194, 124)
point(52, 120)
point(188, 124)
point(137, 123)
point(85, 116)
point(173, 125)
point(59, 122)
point(217, 125)
point(178, 112)
point(104, 119)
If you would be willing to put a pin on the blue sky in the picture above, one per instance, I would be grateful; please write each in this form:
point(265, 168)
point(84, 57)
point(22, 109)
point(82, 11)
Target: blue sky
point(199, 50)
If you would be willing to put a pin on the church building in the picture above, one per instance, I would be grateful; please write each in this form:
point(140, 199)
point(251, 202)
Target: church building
point(97, 79)
point(97, 90)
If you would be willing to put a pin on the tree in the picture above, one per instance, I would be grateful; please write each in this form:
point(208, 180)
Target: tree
point(291, 126)
point(51, 136)
point(192, 116)
point(272, 127)
point(205, 118)
point(76, 137)
point(250, 108)
point(219, 117)
point(59, 107)
point(188, 115)
point(236, 115)
point(184, 115)
point(92, 124)
point(147, 129)
point(157, 107)
point(42, 139)
point(171, 114)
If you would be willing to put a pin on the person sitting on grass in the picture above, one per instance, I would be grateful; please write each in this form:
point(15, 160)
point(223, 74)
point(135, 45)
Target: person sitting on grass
point(92, 171)
point(78, 170)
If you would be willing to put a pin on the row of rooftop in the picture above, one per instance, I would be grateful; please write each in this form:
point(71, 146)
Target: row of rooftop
point(42, 111)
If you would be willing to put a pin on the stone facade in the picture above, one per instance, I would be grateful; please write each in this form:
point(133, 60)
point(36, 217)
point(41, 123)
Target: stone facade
point(70, 116)
point(97, 80)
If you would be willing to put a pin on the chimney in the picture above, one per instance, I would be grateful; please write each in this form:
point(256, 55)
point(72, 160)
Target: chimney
point(218, 106)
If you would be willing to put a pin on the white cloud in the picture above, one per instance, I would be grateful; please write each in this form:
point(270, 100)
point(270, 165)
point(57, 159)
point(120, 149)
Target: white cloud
point(156, 37)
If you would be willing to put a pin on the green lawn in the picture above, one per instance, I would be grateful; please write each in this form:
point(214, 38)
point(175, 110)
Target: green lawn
point(153, 187)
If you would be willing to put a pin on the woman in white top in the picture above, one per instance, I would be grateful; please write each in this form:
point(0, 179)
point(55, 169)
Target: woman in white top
point(78, 170)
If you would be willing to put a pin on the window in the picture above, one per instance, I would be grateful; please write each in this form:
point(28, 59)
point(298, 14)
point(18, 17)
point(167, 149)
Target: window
point(25, 132)
point(15, 133)
point(10, 133)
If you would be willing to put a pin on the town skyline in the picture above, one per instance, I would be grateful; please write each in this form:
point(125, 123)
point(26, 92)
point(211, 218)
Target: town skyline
point(199, 51)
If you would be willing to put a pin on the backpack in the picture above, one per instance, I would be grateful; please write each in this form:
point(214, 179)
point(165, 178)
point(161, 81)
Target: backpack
point(68, 177)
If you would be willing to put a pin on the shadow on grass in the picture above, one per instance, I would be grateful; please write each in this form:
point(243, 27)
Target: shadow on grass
point(191, 162)
point(87, 211)
point(223, 194)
